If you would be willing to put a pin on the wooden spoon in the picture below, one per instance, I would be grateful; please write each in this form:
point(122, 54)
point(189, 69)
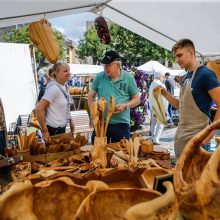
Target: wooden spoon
point(102, 105)
point(131, 150)
point(110, 112)
point(95, 117)
point(136, 148)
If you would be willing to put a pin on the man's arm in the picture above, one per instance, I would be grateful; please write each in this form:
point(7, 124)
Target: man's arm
point(215, 95)
point(91, 97)
point(173, 101)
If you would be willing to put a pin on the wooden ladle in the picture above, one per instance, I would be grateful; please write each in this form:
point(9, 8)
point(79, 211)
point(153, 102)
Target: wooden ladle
point(95, 117)
point(102, 105)
point(110, 112)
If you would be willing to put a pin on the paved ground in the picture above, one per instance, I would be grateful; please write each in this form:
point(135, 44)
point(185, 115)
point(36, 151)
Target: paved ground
point(167, 137)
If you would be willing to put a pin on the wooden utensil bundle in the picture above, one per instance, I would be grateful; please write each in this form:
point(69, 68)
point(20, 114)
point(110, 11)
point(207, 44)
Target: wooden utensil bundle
point(26, 140)
point(97, 115)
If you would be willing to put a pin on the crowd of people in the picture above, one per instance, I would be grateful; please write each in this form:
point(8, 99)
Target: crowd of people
point(199, 91)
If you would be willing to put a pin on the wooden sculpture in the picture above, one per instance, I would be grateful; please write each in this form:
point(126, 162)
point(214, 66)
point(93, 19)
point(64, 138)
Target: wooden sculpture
point(163, 207)
point(196, 179)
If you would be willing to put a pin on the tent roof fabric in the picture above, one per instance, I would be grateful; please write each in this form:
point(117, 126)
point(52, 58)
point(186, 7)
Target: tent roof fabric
point(154, 66)
point(160, 21)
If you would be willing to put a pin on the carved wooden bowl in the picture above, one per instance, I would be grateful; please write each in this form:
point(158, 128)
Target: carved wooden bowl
point(113, 203)
point(49, 200)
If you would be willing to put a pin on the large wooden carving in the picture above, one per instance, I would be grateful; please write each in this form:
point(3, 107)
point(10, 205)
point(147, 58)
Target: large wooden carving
point(196, 179)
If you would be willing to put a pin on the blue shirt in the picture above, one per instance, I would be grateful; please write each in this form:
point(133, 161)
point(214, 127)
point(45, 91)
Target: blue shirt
point(204, 80)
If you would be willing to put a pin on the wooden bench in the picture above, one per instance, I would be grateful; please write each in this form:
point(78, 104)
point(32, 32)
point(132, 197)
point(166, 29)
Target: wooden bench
point(82, 123)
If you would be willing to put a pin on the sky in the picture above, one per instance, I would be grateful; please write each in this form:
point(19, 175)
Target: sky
point(73, 26)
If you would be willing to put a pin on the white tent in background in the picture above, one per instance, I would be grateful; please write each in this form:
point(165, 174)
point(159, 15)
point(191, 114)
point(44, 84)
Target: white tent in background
point(17, 85)
point(154, 66)
point(85, 69)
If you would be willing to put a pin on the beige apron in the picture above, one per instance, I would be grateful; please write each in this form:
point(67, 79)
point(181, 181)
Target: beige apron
point(191, 118)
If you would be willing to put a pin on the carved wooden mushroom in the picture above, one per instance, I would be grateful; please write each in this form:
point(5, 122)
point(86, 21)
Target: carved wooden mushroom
point(196, 179)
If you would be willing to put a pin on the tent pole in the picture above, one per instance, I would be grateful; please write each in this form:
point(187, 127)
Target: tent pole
point(34, 67)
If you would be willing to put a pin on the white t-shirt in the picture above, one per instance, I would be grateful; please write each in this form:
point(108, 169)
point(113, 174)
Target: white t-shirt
point(56, 113)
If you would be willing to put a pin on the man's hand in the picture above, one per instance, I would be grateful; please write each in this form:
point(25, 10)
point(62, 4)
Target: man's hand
point(120, 108)
point(161, 88)
point(45, 135)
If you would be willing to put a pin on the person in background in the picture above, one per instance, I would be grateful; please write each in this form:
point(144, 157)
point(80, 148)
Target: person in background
point(73, 81)
point(118, 83)
point(177, 79)
point(198, 87)
point(48, 77)
point(41, 79)
point(156, 128)
point(170, 88)
point(79, 81)
point(53, 110)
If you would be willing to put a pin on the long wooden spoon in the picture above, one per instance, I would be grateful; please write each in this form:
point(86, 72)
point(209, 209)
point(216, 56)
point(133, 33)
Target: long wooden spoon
point(95, 118)
point(110, 112)
point(102, 105)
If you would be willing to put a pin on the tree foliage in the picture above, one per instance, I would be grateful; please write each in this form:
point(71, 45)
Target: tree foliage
point(90, 45)
point(130, 45)
point(21, 35)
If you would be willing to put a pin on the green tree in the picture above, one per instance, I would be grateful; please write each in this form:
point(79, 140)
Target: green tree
point(90, 45)
point(130, 45)
point(21, 35)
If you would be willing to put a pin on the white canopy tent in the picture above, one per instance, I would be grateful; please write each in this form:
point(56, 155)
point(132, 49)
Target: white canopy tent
point(17, 84)
point(81, 69)
point(154, 66)
point(161, 21)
